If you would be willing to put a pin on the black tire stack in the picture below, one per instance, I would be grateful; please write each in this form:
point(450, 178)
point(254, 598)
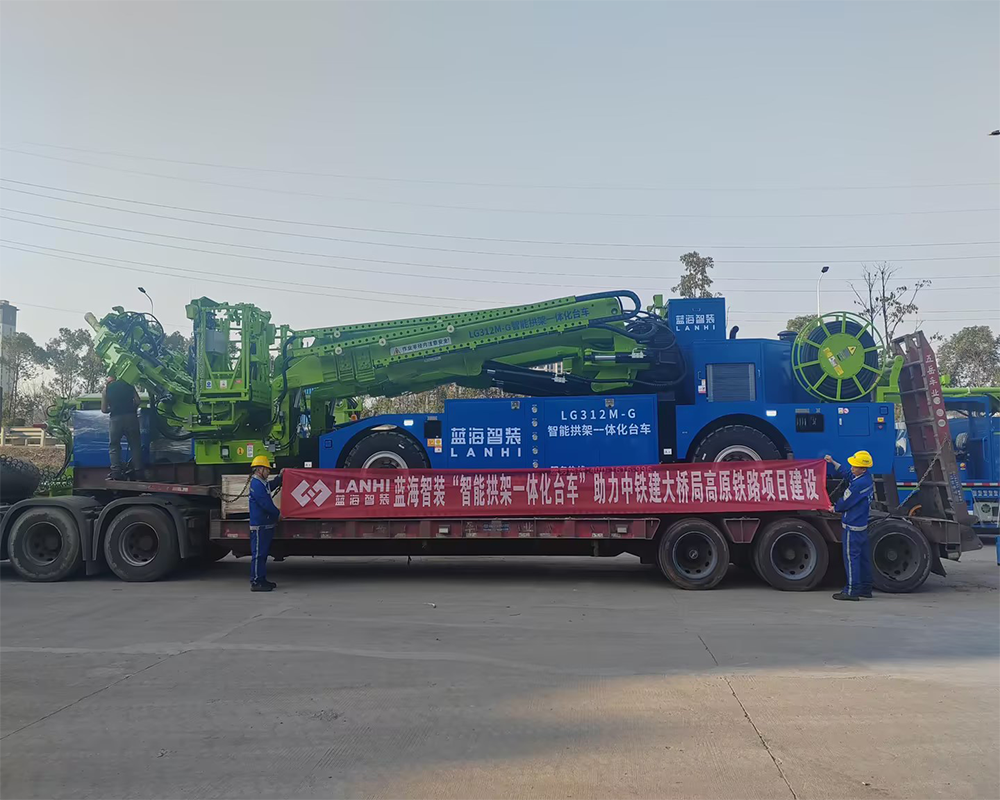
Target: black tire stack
point(18, 479)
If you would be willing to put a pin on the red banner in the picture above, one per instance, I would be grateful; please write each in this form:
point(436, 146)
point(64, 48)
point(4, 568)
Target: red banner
point(730, 487)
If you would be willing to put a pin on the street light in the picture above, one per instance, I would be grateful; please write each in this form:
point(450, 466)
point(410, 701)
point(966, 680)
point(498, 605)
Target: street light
point(150, 299)
point(819, 280)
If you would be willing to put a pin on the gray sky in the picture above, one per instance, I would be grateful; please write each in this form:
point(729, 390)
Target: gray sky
point(775, 137)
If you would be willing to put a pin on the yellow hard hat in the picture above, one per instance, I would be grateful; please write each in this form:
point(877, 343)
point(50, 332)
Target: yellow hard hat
point(264, 461)
point(862, 458)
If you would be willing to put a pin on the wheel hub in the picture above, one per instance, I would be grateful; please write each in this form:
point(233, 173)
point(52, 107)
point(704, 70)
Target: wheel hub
point(894, 556)
point(139, 544)
point(384, 460)
point(738, 452)
point(695, 555)
point(43, 543)
point(794, 556)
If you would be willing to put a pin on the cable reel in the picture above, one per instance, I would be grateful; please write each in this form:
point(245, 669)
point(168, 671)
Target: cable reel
point(836, 357)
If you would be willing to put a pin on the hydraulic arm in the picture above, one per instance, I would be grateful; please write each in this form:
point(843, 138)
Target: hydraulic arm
point(245, 384)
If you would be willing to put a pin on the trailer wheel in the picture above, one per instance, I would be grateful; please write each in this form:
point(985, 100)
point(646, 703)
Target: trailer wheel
point(736, 443)
point(791, 555)
point(693, 554)
point(141, 545)
point(386, 450)
point(900, 555)
point(45, 545)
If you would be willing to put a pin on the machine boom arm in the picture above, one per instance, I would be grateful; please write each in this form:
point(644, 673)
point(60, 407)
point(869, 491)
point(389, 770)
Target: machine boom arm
point(226, 389)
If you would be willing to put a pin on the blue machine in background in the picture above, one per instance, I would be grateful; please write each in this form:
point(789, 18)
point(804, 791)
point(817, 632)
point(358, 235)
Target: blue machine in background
point(740, 399)
point(974, 423)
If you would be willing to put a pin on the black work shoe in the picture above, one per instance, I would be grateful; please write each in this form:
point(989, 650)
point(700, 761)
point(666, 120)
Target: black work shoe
point(273, 585)
point(845, 596)
point(260, 587)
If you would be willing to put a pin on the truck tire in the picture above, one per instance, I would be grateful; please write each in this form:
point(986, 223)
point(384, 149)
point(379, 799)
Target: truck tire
point(791, 555)
point(736, 443)
point(693, 554)
point(900, 556)
point(18, 479)
point(45, 545)
point(386, 450)
point(141, 545)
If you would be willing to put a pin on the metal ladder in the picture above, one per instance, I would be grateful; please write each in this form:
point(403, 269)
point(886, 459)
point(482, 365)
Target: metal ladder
point(939, 489)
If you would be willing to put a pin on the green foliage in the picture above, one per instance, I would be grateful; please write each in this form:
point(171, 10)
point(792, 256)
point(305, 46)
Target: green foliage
point(178, 342)
point(695, 282)
point(971, 357)
point(72, 358)
point(20, 361)
point(429, 402)
point(798, 323)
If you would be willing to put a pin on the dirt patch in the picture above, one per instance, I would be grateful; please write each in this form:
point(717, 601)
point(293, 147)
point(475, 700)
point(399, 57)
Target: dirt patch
point(42, 457)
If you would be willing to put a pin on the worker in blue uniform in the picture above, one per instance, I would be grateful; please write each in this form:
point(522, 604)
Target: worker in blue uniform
point(263, 518)
point(854, 507)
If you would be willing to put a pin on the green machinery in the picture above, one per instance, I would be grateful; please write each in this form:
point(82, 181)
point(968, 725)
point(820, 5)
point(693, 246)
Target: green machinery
point(245, 383)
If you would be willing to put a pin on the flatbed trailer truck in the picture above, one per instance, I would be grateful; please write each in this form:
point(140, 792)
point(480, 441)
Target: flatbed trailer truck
point(246, 388)
point(143, 531)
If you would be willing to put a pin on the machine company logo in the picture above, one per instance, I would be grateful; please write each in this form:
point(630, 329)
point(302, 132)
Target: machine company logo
point(318, 493)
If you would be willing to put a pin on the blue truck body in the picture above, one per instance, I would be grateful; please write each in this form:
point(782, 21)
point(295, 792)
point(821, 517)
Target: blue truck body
point(747, 382)
point(974, 423)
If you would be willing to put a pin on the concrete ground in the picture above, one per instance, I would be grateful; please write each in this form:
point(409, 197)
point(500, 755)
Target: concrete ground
point(496, 678)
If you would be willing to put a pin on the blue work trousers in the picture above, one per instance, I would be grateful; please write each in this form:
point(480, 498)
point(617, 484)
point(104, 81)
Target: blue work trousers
point(260, 546)
point(857, 561)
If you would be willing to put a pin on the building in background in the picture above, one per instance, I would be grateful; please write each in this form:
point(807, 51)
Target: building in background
point(8, 327)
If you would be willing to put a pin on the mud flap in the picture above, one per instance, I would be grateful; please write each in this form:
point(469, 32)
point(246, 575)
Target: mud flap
point(937, 567)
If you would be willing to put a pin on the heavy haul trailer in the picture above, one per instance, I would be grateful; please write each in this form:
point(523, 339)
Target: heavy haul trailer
point(246, 387)
point(692, 521)
point(149, 528)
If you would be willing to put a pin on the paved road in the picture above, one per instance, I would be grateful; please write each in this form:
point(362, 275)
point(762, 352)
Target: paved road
point(496, 678)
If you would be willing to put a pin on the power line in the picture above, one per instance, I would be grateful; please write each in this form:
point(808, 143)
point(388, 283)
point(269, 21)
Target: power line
point(378, 244)
point(497, 210)
point(312, 289)
point(561, 287)
point(19, 304)
point(423, 265)
point(557, 243)
point(273, 285)
point(270, 286)
point(503, 185)
point(288, 261)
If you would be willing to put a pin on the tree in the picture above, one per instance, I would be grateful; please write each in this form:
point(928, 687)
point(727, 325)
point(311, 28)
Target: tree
point(178, 342)
point(798, 323)
point(20, 361)
point(428, 402)
point(882, 304)
point(695, 282)
point(971, 357)
point(34, 403)
point(71, 356)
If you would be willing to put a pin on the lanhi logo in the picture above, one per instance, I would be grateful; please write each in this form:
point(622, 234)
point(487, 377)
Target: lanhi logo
point(318, 493)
